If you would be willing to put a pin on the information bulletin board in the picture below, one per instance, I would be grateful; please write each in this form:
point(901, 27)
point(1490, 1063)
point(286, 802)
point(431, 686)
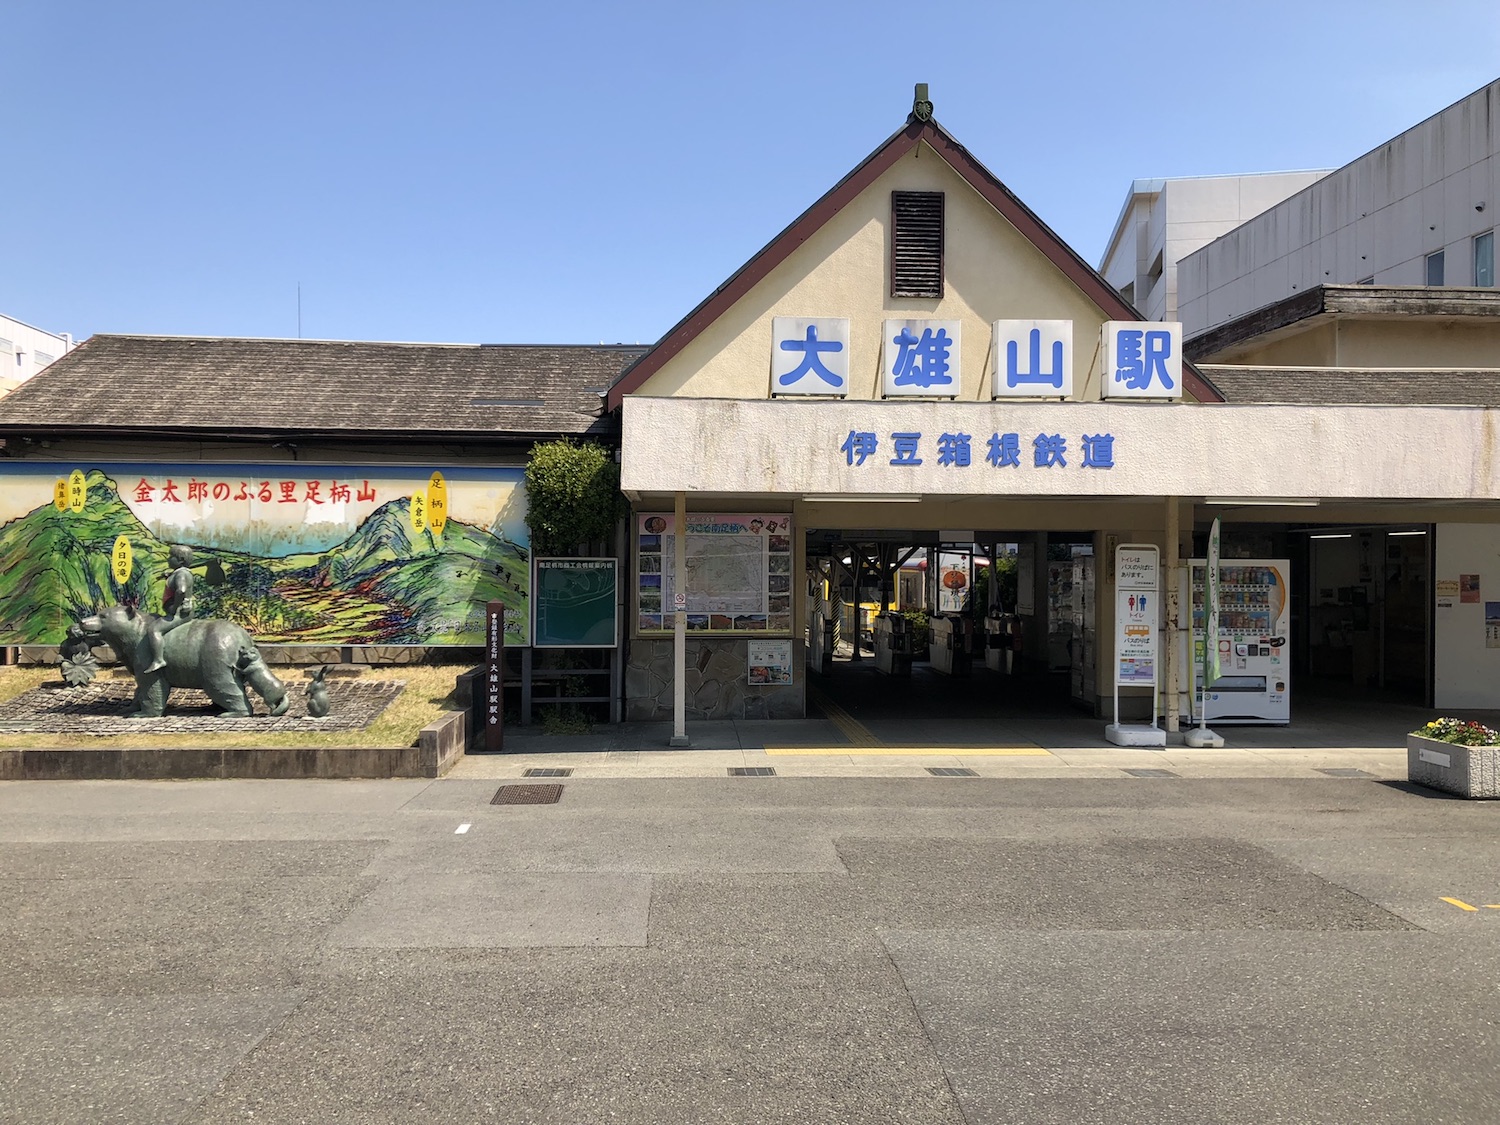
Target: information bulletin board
point(738, 573)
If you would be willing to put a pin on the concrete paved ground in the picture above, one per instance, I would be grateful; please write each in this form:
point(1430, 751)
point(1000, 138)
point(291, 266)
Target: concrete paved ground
point(862, 724)
point(1016, 949)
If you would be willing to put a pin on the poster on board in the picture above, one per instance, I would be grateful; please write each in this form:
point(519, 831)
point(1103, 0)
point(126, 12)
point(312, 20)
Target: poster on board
point(737, 577)
point(770, 662)
point(955, 577)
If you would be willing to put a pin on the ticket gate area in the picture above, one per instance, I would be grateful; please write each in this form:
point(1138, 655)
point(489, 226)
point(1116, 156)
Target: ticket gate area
point(893, 626)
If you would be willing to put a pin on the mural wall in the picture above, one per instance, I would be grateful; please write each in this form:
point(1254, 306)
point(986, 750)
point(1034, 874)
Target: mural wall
point(297, 553)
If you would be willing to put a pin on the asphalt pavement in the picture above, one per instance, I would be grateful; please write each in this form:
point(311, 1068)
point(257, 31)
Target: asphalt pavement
point(1116, 948)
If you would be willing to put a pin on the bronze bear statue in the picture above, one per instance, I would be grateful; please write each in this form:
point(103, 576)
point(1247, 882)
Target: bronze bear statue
point(218, 657)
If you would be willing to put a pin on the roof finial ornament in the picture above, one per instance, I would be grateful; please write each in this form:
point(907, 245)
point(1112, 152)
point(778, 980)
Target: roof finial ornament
point(921, 108)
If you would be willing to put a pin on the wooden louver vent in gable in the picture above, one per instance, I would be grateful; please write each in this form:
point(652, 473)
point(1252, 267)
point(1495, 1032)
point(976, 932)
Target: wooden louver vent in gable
point(916, 244)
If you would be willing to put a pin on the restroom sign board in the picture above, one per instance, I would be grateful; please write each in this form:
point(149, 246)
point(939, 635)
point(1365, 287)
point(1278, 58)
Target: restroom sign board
point(1137, 609)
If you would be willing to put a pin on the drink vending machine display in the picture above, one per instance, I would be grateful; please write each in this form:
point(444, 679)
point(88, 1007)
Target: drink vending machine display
point(1254, 642)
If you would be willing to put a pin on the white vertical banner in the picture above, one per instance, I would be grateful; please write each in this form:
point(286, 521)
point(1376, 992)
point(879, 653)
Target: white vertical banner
point(1211, 608)
point(1026, 580)
point(1137, 590)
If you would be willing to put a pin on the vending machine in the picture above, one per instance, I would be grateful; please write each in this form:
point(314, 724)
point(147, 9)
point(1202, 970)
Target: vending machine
point(1254, 642)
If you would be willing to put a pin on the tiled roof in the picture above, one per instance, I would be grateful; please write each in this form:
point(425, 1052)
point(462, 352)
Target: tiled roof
point(1354, 386)
point(1323, 303)
point(163, 384)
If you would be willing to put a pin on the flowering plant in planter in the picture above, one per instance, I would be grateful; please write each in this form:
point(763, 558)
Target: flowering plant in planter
point(1460, 732)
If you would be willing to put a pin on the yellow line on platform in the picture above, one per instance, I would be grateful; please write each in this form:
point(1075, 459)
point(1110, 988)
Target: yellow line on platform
point(1460, 903)
point(912, 751)
point(856, 732)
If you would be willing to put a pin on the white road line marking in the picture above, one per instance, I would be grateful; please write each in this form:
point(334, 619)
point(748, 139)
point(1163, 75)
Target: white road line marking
point(461, 829)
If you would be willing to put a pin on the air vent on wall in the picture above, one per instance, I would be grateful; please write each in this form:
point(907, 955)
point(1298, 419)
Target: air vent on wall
point(916, 244)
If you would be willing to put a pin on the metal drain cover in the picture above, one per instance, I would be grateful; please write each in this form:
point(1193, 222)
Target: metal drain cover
point(1151, 773)
point(951, 771)
point(1346, 771)
point(538, 771)
point(752, 771)
point(527, 795)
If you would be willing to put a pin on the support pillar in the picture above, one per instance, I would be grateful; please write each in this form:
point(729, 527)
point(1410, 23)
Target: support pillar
point(1171, 672)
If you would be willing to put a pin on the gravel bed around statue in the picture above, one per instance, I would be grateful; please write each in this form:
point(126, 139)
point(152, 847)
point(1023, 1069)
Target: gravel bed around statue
point(101, 708)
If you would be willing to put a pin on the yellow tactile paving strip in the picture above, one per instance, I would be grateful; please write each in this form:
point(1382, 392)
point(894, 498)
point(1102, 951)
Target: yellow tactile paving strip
point(863, 742)
point(911, 751)
point(851, 728)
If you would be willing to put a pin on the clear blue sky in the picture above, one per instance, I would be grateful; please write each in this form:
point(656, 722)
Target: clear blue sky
point(584, 172)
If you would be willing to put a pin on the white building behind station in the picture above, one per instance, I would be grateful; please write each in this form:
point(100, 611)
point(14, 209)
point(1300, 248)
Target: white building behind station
point(1417, 211)
point(1164, 220)
point(25, 350)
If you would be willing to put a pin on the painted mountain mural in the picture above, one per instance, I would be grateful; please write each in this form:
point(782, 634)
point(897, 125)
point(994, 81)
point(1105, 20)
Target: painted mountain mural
point(384, 584)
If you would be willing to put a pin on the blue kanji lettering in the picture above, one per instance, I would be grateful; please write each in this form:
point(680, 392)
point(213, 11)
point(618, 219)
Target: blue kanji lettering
point(1049, 450)
point(1015, 377)
point(1005, 450)
point(1098, 451)
point(921, 362)
point(953, 449)
point(810, 348)
point(906, 449)
point(859, 444)
point(1141, 356)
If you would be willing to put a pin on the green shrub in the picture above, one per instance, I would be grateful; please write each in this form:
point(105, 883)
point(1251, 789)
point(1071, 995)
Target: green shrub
point(572, 497)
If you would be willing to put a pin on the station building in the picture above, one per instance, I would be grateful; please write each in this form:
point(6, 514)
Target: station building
point(917, 362)
point(722, 427)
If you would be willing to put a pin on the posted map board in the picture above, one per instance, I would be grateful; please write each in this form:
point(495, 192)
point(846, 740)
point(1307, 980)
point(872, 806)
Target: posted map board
point(574, 603)
point(737, 576)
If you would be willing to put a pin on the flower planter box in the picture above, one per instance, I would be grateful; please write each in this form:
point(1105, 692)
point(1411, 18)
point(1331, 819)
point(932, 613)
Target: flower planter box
point(1469, 771)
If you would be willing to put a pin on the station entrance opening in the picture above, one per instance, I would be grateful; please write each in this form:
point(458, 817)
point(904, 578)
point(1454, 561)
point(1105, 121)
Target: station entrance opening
point(935, 627)
point(923, 625)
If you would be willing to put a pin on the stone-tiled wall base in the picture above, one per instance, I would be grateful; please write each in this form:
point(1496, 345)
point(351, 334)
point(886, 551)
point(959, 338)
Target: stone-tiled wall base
point(1469, 771)
point(717, 687)
point(125, 763)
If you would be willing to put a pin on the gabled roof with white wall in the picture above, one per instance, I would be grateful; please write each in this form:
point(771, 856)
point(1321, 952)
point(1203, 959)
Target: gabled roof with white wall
point(1004, 263)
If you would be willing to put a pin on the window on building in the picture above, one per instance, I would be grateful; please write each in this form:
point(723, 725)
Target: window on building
point(916, 244)
point(1129, 293)
point(1366, 281)
point(1435, 268)
point(1484, 258)
point(42, 358)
